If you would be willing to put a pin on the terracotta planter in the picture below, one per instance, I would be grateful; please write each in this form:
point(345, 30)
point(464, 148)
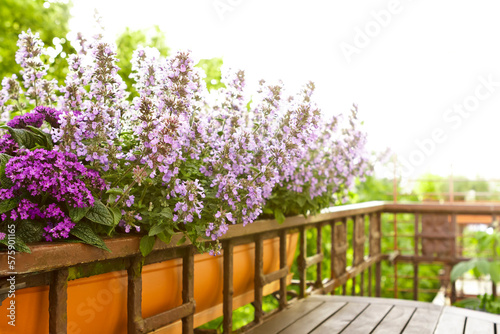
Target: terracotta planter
point(98, 304)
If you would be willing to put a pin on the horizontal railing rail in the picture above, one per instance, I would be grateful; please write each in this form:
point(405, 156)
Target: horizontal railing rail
point(355, 256)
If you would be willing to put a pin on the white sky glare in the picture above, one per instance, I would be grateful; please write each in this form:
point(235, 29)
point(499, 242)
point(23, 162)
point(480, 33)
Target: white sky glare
point(416, 68)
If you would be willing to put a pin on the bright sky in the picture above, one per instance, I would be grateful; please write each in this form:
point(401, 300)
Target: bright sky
point(425, 74)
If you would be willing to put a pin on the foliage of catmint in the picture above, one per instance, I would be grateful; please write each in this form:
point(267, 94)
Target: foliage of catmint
point(174, 159)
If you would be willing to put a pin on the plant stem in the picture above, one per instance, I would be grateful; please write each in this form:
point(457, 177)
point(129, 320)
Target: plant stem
point(125, 173)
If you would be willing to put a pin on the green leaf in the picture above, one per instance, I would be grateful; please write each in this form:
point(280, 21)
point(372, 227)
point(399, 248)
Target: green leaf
point(100, 214)
point(268, 210)
point(4, 158)
point(8, 205)
point(30, 231)
point(279, 216)
point(183, 240)
point(156, 229)
point(115, 191)
point(165, 237)
point(117, 215)
point(25, 138)
point(483, 266)
point(87, 235)
point(167, 213)
point(301, 201)
point(146, 245)
point(495, 271)
point(461, 268)
point(19, 245)
point(76, 214)
point(46, 136)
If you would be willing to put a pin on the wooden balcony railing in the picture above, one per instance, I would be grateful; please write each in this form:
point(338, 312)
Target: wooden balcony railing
point(356, 255)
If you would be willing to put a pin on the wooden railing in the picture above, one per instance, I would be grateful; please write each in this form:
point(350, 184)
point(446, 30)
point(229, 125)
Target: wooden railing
point(355, 232)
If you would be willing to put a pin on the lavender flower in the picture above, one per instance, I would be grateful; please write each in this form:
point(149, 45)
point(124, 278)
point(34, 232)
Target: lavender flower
point(39, 91)
point(91, 130)
point(190, 206)
point(11, 91)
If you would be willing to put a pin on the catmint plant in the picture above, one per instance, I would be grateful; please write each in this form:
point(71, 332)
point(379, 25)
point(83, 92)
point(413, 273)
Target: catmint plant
point(80, 161)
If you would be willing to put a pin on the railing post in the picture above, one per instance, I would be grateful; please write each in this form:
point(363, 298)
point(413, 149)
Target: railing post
point(188, 287)
point(283, 264)
point(228, 287)
point(302, 262)
point(415, 262)
point(259, 271)
point(58, 297)
point(332, 253)
point(495, 256)
point(319, 250)
point(453, 297)
point(378, 264)
point(370, 278)
point(135, 323)
point(395, 250)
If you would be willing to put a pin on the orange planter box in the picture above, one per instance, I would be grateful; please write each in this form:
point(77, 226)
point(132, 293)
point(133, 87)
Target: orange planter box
point(98, 304)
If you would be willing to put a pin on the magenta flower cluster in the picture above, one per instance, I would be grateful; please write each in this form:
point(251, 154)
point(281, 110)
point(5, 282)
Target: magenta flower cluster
point(36, 118)
point(58, 224)
point(8, 145)
point(57, 174)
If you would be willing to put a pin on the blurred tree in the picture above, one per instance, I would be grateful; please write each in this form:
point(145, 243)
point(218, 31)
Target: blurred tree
point(431, 187)
point(435, 187)
point(129, 40)
point(48, 18)
point(212, 69)
point(373, 189)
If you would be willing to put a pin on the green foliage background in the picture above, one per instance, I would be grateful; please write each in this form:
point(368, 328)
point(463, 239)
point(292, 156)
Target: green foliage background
point(20, 15)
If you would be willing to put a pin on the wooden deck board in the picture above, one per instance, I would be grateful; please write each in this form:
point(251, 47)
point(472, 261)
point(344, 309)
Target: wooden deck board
point(423, 321)
point(369, 319)
point(341, 319)
point(313, 319)
point(478, 326)
point(285, 318)
point(348, 315)
point(396, 320)
point(450, 323)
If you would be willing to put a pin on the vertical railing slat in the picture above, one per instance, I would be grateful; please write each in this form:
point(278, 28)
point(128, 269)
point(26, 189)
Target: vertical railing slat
point(58, 297)
point(495, 256)
point(283, 264)
point(228, 287)
point(453, 297)
point(259, 271)
point(378, 264)
point(188, 287)
point(134, 297)
point(370, 281)
point(332, 252)
point(319, 250)
point(302, 262)
point(415, 263)
point(395, 250)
